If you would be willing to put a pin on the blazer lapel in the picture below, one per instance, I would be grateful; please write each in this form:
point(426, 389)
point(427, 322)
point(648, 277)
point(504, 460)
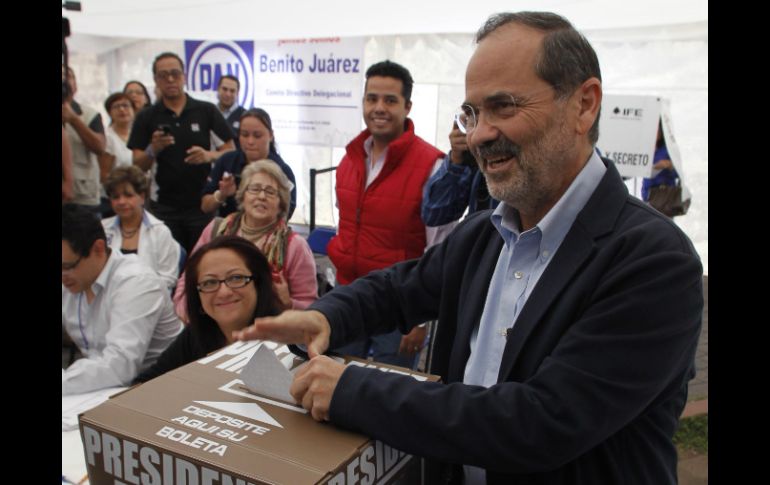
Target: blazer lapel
point(596, 219)
point(574, 250)
point(474, 294)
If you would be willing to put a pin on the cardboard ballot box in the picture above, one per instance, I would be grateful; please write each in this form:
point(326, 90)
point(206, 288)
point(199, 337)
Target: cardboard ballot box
point(199, 424)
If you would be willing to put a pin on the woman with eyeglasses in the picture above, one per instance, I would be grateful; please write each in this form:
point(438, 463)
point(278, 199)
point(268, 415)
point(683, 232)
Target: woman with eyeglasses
point(263, 201)
point(117, 154)
point(229, 285)
point(138, 94)
point(255, 135)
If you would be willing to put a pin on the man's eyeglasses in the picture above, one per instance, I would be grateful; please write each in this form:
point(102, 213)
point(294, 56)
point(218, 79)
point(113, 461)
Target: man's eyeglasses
point(234, 281)
point(174, 74)
point(70, 266)
point(120, 105)
point(497, 107)
point(256, 189)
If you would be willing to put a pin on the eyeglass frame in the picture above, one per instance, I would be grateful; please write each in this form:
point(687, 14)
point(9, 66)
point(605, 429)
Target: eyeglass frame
point(174, 73)
point(246, 280)
point(263, 189)
point(71, 266)
point(516, 101)
point(119, 105)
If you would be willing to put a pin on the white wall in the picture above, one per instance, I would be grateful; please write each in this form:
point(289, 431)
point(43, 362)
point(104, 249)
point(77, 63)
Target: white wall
point(677, 70)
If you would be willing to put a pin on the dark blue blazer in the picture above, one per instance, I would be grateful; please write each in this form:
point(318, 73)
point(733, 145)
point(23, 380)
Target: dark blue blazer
point(595, 370)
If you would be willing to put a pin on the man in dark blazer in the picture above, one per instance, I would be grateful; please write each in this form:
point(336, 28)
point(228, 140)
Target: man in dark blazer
point(568, 316)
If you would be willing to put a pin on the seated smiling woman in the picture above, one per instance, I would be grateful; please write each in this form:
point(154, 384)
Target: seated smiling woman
point(263, 203)
point(257, 142)
point(133, 230)
point(228, 285)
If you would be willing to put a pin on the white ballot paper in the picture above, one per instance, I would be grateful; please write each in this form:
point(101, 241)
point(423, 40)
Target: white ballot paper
point(74, 404)
point(267, 376)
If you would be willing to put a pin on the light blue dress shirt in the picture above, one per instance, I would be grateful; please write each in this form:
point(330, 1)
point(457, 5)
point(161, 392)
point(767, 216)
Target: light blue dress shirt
point(523, 259)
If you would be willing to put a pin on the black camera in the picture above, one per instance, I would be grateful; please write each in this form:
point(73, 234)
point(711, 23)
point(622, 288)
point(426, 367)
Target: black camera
point(65, 32)
point(65, 91)
point(166, 129)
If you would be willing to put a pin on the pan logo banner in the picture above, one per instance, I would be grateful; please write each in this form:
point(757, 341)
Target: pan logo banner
point(207, 61)
point(312, 87)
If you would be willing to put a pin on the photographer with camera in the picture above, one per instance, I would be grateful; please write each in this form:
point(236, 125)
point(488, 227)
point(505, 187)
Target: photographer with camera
point(66, 168)
point(85, 134)
point(457, 184)
point(175, 134)
point(67, 189)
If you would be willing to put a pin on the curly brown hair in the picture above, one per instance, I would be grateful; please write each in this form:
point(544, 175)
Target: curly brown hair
point(131, 175)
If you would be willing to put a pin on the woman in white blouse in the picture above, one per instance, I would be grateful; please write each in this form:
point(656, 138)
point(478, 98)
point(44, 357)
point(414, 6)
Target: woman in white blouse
point(116, 153)
point(133, 230)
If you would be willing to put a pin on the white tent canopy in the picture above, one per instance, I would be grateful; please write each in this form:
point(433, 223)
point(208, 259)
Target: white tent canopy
point(232, 19)
point(647, 47)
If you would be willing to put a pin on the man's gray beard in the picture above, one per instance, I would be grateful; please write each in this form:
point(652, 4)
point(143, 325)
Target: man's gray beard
point(531, 187)
point(520, 194)
point(503, 186)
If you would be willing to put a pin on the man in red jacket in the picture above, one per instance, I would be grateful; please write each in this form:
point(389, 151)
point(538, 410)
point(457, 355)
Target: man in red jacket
point(379, 195)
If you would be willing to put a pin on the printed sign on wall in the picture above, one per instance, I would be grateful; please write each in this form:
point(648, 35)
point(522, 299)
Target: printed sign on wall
point(627, 130)
point(312, 88)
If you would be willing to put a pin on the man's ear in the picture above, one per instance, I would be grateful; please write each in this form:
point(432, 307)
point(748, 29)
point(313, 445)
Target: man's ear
point(590, 100)
point(408, 106)
point(99, 247)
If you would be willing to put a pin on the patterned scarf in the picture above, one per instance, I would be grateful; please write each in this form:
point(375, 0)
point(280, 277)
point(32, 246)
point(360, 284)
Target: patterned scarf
point(272, 239)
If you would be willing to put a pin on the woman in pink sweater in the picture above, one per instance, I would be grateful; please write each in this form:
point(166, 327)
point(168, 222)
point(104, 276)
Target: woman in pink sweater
point(263, 201)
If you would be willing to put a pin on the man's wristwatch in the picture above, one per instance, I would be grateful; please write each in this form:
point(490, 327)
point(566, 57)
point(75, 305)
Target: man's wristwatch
point(217, 193)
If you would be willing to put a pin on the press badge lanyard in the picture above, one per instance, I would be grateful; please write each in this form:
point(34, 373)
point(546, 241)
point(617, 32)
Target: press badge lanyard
point(80, 322)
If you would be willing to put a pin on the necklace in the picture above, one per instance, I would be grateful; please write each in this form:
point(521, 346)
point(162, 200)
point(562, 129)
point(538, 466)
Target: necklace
point(129, 234)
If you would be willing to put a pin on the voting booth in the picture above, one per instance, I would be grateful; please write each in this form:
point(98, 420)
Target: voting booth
point(628, 129)
point(203, 424)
